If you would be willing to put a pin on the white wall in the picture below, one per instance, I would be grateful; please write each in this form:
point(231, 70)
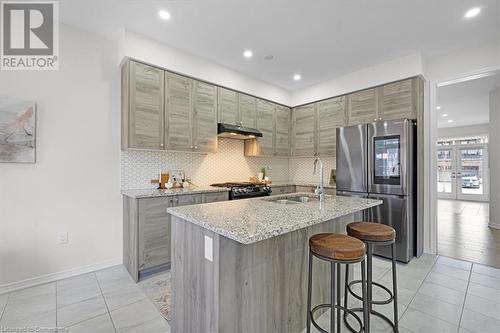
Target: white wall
point(494, 156)
point(463, 61)
point(463, 131)
point(394, 70)
point(142, 48)
point(74, 185)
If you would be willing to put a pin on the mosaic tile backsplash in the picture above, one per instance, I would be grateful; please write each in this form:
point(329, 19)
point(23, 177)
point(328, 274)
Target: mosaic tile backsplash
point(228, 164)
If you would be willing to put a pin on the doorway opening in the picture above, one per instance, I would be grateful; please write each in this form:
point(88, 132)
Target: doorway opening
point(463, 183)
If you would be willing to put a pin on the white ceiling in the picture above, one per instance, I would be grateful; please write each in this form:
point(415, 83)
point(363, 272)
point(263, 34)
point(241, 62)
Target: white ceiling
point(319, 39)
point(466, 103)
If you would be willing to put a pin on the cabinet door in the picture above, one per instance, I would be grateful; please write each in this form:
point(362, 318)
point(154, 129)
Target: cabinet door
point(397, 100)
point(178, 112)
point(331, 115)
point(248, 115)
point(204, 117)
point(362, 107)
point(228, 106)
point(154, 232)
point(265, 124)
point(282, 145)
point(304, 125)
point(146, 98)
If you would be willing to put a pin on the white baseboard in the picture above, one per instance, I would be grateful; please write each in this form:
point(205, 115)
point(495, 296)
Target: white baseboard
point(9, 287)
point(494, 225)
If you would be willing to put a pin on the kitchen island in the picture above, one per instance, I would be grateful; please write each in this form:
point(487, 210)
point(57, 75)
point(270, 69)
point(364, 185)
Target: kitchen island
point(241, 266)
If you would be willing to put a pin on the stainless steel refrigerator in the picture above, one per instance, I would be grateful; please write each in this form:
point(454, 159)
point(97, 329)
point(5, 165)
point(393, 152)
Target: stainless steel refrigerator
point(378, 161)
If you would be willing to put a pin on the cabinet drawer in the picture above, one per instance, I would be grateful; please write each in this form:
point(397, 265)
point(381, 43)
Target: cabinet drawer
point(215, 197)
point(188, 199)
point(283, 189)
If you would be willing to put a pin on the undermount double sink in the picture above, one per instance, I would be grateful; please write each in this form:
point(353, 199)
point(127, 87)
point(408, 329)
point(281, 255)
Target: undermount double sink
point(293, 199)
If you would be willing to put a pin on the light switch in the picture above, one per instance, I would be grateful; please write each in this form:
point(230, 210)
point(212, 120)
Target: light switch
point(209, 248)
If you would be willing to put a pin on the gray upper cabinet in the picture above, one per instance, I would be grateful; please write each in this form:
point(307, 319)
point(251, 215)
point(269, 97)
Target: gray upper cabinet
point(282, 137)
point(228, 106)
point(304, 130)
point(398, 100)
point(178, 94)
point(265, 124)
point(204, 117)
point(247, 110)
point(142, 106)
point(331, 115)
point(362, 107)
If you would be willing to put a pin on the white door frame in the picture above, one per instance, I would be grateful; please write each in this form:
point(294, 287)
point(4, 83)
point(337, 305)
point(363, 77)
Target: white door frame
point(430, 149)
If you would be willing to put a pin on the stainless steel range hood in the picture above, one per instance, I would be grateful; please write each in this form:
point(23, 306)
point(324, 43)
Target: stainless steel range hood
point(237, 132)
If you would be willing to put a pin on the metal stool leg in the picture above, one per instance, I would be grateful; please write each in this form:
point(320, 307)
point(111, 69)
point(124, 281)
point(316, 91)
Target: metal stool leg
point(394, 287)
point(366, 320)
point(332, 292)
point(309, 293)
point(338, 298)
point(346, 290)
point(369, 280)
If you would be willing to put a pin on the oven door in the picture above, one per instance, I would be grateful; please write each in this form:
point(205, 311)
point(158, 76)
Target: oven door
point(389, 145)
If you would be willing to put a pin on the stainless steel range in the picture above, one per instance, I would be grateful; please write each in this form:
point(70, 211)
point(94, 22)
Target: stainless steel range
point(245, 190)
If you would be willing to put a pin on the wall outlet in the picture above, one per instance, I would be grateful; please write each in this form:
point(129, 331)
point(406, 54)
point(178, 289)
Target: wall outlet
point(209, 248)
point(62, 237)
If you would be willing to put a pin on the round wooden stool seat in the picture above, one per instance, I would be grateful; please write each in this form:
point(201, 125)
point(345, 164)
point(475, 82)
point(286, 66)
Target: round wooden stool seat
point(370, 231)
point(337, 246)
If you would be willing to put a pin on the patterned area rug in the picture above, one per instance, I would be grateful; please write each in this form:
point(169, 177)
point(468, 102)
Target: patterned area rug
point(158, 288)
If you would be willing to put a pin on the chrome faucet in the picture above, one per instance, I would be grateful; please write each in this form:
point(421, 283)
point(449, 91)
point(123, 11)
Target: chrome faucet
point(319, 189)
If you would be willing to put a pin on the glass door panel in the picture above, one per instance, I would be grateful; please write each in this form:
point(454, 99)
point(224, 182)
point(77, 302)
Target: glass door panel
point(472, 173)
point(445, 173)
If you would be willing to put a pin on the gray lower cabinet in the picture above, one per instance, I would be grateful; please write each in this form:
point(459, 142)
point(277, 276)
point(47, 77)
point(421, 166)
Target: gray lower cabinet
point(146, 229)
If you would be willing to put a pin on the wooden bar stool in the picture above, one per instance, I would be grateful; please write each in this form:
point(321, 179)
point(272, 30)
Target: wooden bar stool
point(337, 250)
point(373, 234)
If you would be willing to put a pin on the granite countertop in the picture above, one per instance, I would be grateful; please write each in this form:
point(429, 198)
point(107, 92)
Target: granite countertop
point(152, 193)
point(252, 220)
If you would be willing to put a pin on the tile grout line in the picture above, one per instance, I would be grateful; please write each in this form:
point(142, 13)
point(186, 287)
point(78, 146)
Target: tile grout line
point(57, 319)
point(105, 303)
point(420, 286)
point(5, 307)
point(465, 298)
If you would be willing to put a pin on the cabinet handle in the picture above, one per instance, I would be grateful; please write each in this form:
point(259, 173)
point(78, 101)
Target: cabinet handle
point(191, 147)
point(161, 144)
point(195, 147)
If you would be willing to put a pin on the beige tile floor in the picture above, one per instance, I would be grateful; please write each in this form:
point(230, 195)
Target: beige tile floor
point(436, 294)
point(103, 301)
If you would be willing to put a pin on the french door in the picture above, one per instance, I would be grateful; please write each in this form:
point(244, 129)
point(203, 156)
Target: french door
point(463, 172)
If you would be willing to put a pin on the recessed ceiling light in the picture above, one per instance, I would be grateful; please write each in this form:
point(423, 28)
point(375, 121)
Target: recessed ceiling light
point(473, 12)
point(297, 77)
point(438, 107)
point(445, 115)
point(450, 120)
point(247, 53)
point(164, 15)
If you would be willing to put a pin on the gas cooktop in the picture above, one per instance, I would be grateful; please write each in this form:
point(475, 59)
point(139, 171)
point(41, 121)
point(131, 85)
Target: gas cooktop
point(243, 190)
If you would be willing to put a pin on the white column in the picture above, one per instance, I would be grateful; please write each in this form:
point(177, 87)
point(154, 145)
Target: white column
point(494, 156)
